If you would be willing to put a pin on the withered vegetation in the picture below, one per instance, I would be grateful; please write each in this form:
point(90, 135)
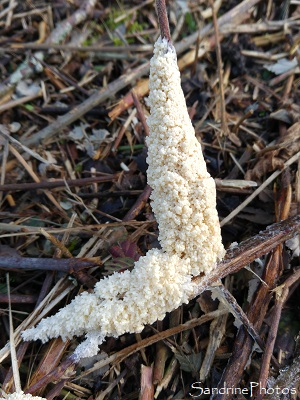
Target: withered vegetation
point(75, 200)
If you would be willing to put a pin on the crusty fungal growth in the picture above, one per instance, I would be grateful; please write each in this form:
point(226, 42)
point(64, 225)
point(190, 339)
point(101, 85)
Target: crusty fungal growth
point(184, 202)
point(184, 194)
point(122, 302)
point(21, 396)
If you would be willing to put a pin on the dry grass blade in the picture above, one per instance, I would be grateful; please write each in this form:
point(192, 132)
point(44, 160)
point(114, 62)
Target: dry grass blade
point(13, 354)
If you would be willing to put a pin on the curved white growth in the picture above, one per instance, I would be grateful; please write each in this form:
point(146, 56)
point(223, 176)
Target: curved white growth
point(184, 203)
point(123, 302)
point(184, 194)
point(20, 396)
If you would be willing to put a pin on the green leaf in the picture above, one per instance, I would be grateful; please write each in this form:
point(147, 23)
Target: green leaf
point(190, 21)
point(190, 362)
point(118, 264)
point(29, 107)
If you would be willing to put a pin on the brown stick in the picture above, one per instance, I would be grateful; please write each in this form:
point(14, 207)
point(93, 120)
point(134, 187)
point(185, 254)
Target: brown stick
point(140, 112)
point(163, 21)
point(20, 47)
point(18, 298)
point(252, 248)
point(12, 187)
point(147, 387)
point(116, 193)
point(68, 265)
point(234, 260)
point(129, 350)
point(139, 204)
point(144, 196)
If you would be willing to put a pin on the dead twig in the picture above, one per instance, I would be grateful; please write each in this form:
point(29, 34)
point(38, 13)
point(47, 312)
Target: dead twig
point(163, 19)
point(140, 112)
point(139, 204)
point(250, 249)
point(147, 387)
point(129, 350)
point(13, 187)
point(68, 265)
point(141, 48)
point(18, 298)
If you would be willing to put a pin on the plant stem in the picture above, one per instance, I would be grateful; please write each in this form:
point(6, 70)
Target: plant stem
point(163, 19)
point(224, 127)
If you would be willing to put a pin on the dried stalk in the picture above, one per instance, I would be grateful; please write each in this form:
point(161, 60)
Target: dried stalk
point(67, 265)
point(13, 187)
point(163, 19)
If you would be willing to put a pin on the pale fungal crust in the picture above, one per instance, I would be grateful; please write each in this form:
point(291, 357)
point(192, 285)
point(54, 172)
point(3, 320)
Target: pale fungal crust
point(21, 396)
point(184, 203)
point(123, 302)
point(184, 194)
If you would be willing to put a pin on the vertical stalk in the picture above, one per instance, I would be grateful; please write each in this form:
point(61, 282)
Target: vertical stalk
point(163, 21)
point(224, 127)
